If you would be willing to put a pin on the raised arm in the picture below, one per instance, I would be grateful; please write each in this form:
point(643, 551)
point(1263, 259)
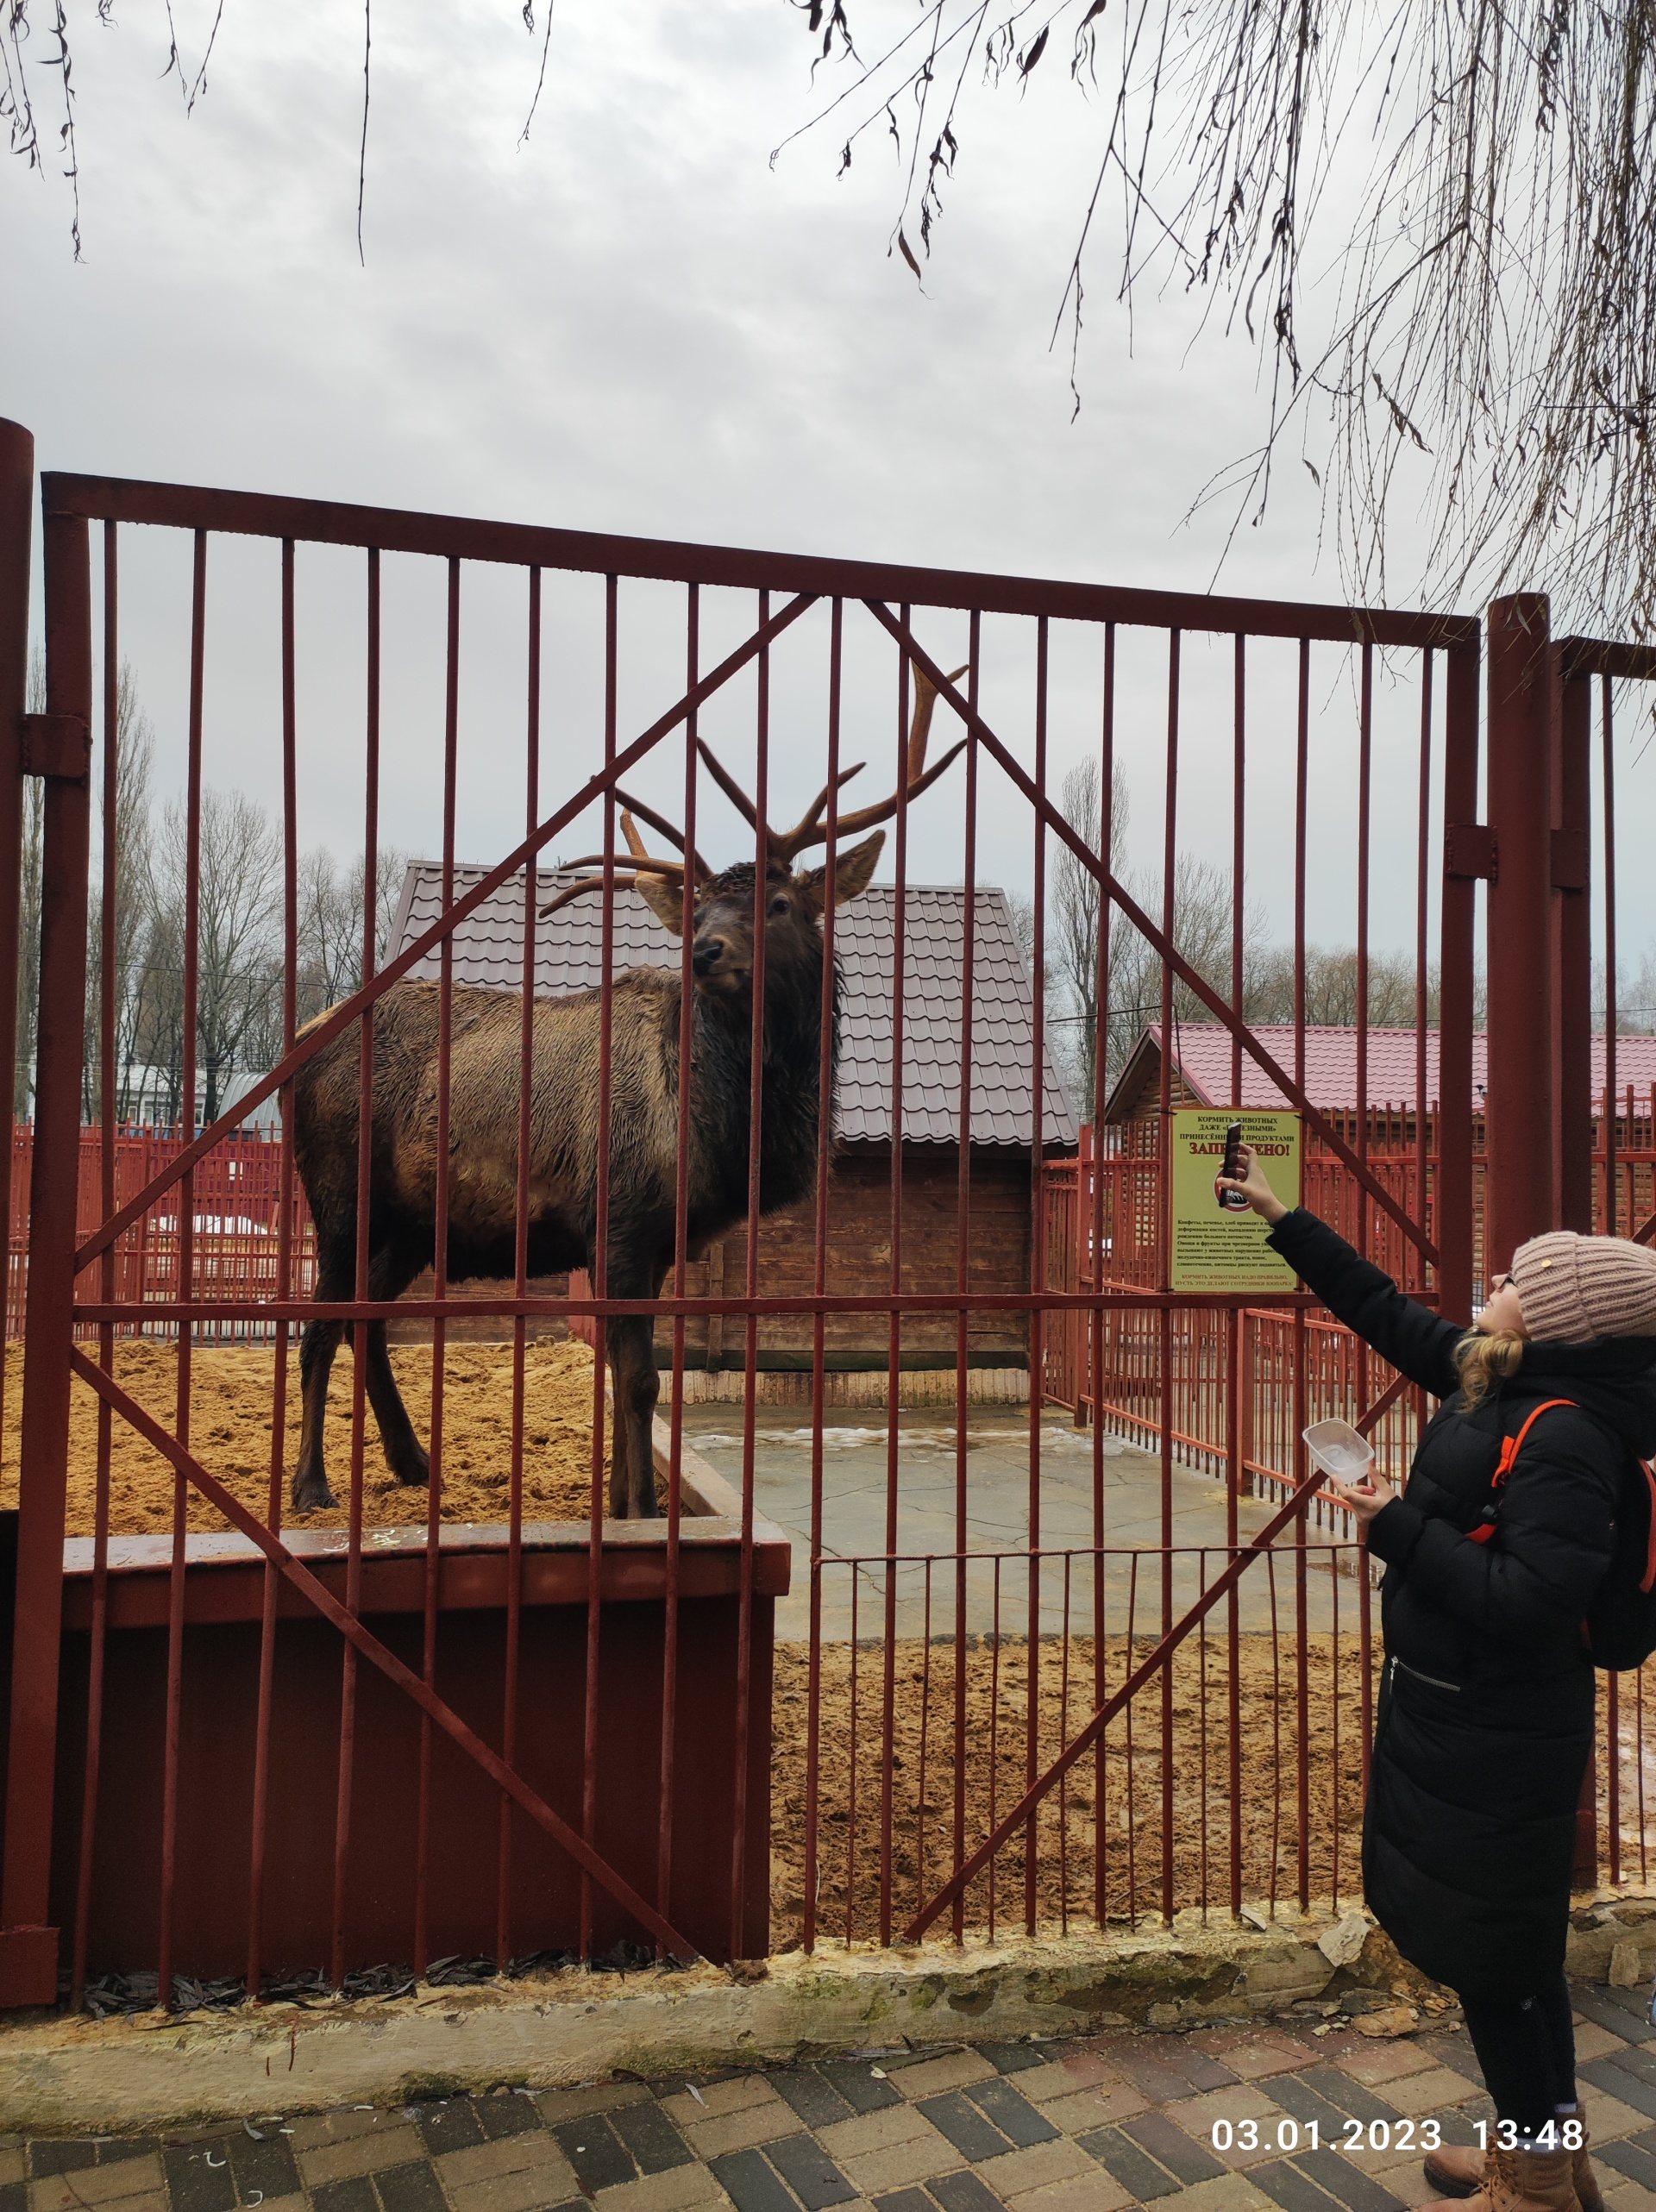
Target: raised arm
point(1413, 1338)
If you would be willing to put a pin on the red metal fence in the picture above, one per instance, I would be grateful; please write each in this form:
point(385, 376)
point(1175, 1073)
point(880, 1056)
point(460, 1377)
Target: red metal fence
point(957, 1729)
point(238, 1194)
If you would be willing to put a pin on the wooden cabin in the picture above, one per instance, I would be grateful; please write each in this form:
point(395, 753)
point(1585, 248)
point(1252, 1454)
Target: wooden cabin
point(864, 1209)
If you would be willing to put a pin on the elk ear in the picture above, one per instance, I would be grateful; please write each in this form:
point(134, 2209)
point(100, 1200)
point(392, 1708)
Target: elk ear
point(665, 901)
point(853, 872)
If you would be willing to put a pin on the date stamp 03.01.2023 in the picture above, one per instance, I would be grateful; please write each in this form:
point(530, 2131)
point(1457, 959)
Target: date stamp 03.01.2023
point(1375, 2135)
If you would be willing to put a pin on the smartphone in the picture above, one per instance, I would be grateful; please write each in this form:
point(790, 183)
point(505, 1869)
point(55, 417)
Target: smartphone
point(1232, 1201)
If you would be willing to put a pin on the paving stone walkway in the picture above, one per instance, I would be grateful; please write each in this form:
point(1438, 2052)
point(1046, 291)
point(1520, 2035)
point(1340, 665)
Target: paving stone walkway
point(1222, 2120)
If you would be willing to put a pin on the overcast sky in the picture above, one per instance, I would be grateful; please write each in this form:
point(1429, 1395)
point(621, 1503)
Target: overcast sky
point(632, 322)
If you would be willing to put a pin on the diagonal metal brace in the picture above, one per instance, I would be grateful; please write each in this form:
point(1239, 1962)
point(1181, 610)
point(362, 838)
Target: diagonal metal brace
point(370, 1648)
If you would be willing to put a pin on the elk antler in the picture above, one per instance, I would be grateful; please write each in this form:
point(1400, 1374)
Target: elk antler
point(644, 864)
point(786, 845)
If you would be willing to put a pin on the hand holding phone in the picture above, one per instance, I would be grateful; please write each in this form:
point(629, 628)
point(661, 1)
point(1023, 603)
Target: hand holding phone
point(1232, 1201)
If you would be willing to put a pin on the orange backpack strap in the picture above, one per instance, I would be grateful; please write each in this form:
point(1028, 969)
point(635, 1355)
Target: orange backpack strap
point(1510, 1448)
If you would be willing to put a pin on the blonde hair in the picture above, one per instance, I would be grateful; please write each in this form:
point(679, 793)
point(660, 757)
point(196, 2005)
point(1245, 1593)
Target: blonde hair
point(1483, 1361)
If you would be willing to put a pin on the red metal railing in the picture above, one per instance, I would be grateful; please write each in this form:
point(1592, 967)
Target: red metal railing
point(238, 1193)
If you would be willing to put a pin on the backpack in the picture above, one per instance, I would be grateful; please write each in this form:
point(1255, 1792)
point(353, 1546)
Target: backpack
point(1620, 1629)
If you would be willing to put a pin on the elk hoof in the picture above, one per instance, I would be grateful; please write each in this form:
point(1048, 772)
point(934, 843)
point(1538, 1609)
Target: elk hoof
point(411, 1466)
point(313, 1496)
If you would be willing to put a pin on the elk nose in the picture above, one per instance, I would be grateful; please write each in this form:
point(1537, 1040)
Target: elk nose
point(708, 953)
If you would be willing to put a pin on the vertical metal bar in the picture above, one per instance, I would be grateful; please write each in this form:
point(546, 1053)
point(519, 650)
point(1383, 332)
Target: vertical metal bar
point(994, 1738)
point(1233, 1469)
point(1364, 792)
point(1169, 1047)
point(361, 1288)
point(1301, 806)
point(107, 1076)
point(856, 1566)
point(520, 1274)
point(1453, 1225)
point(29, 1968)
point(1520, 1195)
point(16, 530)
point(750, 1439)
point(1613, 1776)
point(1572, 955)
point(186, 1276)
point(963, 1262)
point(600, 1270)
point(1415, 1277)
point(284, 1280)
point(819, 1269)
point(680, 1258)
point(1607, 734)
point(1238, 824)
point(1095, 1324)
point(895, 1326)
point(921, 1890)
point(1037, 1282)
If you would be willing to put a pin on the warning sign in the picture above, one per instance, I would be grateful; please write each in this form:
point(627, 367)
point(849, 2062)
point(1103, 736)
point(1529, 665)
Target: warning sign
point(1212, 1248)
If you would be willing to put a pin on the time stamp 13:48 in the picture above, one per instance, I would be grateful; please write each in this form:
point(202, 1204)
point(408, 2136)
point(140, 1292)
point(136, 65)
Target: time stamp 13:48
point(1374, 2135)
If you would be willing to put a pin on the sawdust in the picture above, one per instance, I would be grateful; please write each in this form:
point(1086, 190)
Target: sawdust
point(232, 1398)
point(1117, 1799)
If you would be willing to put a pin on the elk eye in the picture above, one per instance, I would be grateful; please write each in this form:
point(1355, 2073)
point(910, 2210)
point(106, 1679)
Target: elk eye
point(779, 905)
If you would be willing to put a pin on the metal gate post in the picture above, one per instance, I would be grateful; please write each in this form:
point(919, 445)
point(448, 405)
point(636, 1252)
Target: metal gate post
point(28, 1945)
point(1521, 1108)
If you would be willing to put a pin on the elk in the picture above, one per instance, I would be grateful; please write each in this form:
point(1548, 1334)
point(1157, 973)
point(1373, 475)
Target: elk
point(485, 1065)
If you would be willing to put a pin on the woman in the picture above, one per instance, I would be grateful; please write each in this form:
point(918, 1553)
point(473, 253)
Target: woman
point(1485, 1720)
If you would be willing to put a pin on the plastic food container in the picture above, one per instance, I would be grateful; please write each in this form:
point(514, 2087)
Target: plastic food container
point(1339, 1450)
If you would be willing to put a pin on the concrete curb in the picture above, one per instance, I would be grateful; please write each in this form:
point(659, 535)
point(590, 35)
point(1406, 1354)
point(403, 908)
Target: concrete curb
point(141, 2074)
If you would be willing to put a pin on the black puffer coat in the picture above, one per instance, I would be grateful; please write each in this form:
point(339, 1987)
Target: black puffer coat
point(1486, 1708)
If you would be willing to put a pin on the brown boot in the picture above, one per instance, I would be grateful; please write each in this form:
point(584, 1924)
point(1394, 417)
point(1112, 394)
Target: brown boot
point(1525, 2181)
point(1457, 2171)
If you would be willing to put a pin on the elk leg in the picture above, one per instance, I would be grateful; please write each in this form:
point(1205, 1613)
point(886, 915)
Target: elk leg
point(406, 1457)
point(316, 1348)
point(632, 1370)
point(390, 1272)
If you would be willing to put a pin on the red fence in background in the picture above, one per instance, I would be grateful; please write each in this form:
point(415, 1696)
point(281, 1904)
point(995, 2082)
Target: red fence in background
point(234, 1214)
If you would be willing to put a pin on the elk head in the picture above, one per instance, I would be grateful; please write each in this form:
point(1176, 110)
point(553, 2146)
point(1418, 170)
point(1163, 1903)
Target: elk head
point(722, 908)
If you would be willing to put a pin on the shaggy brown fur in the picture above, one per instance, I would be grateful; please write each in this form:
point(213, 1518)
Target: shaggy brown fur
point(483, 1114)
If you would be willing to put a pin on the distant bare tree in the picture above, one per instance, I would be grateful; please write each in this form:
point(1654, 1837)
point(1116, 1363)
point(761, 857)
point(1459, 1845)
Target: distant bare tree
point(1331, 988)
point(1076, 904)
point(239, 858)
point(331, 922)
point(1203, 931)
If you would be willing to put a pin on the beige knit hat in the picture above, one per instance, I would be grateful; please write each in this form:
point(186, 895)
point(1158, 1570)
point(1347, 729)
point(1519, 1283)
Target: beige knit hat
point(1576, 1289)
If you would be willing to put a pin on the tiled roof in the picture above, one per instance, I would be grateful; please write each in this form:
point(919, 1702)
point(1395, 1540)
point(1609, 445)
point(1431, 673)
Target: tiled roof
point(488, 951)
point(1203, 1058)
